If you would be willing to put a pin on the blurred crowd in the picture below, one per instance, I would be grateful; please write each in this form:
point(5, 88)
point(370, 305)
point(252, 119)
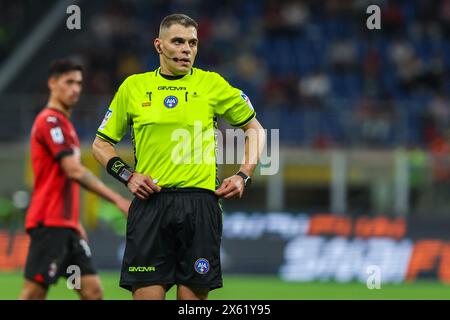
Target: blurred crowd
point(17, 18)
point(310, 67)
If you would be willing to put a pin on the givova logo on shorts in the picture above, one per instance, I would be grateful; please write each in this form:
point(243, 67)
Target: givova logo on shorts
point(141, 269)
point(201, 266)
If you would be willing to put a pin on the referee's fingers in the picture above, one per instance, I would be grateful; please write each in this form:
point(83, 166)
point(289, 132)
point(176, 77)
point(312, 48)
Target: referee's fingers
point(153, 186)
point(221, 189)
point(141, 194)
point(229, 188)
point(145, 188)
point(232, 194)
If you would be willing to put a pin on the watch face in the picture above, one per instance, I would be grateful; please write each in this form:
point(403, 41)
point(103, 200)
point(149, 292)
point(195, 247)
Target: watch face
point(125, 174)
point(247, 179)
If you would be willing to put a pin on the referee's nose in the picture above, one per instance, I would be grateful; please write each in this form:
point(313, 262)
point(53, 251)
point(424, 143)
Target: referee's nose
point(186, 49)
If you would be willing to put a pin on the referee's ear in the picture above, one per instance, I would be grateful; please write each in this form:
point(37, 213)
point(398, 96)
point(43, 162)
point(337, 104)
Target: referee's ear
point(157, 44)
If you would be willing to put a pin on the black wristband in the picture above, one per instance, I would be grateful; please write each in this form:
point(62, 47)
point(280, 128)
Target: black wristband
point(119, 170)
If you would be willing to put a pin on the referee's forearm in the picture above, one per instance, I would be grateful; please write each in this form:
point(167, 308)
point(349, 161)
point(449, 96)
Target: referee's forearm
point(103, 151)
point(255, 141)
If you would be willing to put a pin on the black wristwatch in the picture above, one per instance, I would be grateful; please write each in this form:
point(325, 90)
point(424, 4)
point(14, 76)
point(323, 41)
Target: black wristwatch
point(247, 179)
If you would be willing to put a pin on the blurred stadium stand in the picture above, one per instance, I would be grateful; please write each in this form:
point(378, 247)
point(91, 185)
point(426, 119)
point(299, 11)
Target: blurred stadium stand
point(310, 67)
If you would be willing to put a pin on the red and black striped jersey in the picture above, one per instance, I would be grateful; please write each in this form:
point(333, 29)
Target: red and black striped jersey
point(55, 198)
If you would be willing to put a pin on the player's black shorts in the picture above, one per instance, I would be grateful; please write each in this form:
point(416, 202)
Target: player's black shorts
point(52, 250)
point(174, 238)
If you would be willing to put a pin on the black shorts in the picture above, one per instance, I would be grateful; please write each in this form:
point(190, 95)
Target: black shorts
point(174, 238)
point(52, 250)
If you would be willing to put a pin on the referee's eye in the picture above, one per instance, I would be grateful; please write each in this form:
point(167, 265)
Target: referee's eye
point(178, 41)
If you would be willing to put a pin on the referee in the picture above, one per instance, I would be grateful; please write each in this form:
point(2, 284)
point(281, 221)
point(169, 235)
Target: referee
point(174, 225)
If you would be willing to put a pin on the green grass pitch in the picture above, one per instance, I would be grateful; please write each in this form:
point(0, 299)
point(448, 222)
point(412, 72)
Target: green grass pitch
point(253, 288)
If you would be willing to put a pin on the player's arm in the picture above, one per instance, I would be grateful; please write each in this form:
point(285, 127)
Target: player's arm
point(255, 139)
point(142, 186)
point(76, 171)
point(54, 133)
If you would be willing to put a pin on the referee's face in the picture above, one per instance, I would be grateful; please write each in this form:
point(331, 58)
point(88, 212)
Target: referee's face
point(177, 47)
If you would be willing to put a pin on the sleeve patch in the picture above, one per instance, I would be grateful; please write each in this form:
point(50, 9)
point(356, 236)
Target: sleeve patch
point(105, 119)
point(52, 119)
point(57, 135)
point(247, 100)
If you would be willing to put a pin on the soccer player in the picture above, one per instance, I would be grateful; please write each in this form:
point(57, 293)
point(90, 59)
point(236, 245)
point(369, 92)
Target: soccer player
point(58, 240)
point(174, 226)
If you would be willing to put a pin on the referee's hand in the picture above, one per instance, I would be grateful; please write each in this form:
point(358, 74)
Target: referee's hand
point(231, 187)
point(142, 186)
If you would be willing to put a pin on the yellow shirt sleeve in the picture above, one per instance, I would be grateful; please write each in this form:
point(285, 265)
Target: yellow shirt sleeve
point(116, 121)
point(231, 103)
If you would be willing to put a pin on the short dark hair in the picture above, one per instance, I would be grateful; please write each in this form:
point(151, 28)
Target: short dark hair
point(61, 66)
point(178, 18)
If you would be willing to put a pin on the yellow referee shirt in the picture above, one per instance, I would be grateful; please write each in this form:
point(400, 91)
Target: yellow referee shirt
point(172, 123)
